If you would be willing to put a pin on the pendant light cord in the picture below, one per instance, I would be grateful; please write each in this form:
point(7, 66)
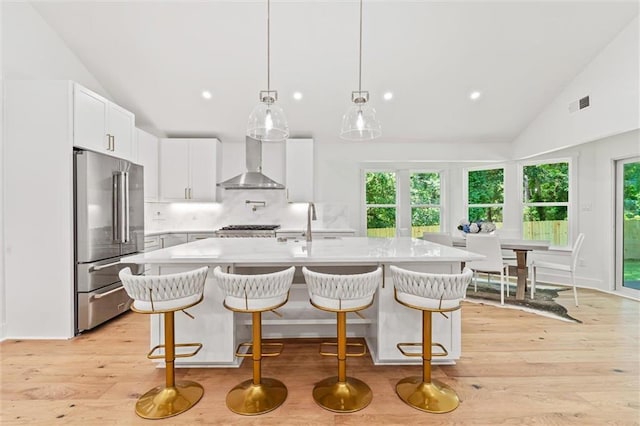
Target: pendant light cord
point(268, 45)
point(360, 59)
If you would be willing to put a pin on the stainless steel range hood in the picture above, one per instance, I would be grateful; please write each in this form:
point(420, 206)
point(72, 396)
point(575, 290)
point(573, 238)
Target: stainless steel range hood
point(253, 177)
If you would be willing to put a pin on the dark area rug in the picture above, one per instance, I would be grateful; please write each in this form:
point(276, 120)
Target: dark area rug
point(543, 304)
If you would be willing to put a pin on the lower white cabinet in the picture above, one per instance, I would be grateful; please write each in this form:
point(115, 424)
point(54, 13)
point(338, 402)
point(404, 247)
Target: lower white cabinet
point(170, 240)
point(199, 236)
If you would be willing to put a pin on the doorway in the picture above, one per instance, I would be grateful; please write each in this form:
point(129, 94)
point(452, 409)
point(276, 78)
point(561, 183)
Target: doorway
point(628, 226)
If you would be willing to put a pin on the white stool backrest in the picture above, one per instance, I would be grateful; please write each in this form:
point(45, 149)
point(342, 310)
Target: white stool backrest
point(489, 246)
point(342, 287)
point(432, 286)
point(164, 292)
point(259, 286)
point(443, 238)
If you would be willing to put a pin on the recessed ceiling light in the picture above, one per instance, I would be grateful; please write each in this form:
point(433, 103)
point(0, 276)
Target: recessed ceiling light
point(297, 96)
point(206, 94)
point(387, 96)
point(475, 95)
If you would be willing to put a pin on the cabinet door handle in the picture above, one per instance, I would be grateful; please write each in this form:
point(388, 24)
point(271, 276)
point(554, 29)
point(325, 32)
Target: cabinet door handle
point(186, 197)
point(190, 194)
point(161, 242)
point(108, 142)
point(113, 143)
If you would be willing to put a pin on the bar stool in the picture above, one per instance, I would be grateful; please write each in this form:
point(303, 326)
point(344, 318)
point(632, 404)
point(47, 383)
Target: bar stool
point(256, 294)
point(342, 294)
point(428, 293)
point(166, 294)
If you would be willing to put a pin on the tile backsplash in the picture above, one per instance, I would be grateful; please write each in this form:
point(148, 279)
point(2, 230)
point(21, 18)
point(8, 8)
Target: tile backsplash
point(264, 207)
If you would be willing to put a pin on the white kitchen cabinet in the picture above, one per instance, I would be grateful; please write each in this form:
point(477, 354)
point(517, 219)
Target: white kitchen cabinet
point(324, 234)
point(273, 160)
point(189, 169)
point(148, 156)
point(200, 236)
point(170, 240)
point(102, 126)
point(299, 170)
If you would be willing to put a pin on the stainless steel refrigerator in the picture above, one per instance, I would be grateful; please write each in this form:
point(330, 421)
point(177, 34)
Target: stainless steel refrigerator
point(109, 224)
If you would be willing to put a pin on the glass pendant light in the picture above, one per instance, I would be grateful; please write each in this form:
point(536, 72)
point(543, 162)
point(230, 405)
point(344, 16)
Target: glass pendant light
point(267, 121)
point(359, 122)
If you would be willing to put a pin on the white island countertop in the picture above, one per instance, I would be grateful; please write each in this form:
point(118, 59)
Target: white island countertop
point(267, 251)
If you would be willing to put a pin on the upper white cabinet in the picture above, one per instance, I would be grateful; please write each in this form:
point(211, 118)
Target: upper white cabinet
point(148, 156)
point(189, 169)
point(101, 125)
point(273, 160)
point(299, 170)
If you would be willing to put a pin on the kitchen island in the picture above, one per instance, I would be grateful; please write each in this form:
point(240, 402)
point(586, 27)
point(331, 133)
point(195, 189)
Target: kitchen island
point(382, 325)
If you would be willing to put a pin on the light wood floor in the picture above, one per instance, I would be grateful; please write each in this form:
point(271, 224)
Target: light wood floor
point(517, 369)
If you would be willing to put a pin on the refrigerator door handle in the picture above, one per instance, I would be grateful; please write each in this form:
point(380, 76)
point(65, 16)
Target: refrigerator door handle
point(115, 210)
point(126, 236)
point(121, 207)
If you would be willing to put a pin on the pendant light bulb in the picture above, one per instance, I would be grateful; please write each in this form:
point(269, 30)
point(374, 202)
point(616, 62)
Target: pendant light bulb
point(268, 121)
point(359, 122)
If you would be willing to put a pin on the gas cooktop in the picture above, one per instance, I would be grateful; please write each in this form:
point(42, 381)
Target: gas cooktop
point(250, 228)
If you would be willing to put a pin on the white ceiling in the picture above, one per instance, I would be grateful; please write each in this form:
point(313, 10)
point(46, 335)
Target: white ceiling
point(155, 58)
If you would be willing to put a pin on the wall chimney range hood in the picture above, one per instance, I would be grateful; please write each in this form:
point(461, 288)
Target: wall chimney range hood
point(253, 177)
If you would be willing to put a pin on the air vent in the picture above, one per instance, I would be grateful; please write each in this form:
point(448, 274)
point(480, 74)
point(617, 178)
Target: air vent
point(581, 103)
point(584, 102)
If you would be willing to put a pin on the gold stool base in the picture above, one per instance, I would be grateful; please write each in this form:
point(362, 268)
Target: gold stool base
point(342, 397)
point(434, 397)
point(162, 402)
point(249, 399)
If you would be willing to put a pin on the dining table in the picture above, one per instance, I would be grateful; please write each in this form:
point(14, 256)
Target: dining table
point(520, 248)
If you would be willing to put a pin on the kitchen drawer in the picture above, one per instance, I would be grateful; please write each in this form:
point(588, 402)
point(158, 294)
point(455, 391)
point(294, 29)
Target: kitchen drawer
point(200, 236)
point(151, 243)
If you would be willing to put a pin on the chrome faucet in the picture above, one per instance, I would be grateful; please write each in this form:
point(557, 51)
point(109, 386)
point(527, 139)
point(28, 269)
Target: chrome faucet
point(311, 215)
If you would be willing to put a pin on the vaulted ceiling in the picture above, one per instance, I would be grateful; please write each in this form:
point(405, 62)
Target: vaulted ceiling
point(155, 58)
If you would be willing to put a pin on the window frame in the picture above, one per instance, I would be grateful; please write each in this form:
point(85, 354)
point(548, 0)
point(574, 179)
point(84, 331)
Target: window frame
point(465, 189)
point(572, 225)
point(403, 204)
point(363, 195)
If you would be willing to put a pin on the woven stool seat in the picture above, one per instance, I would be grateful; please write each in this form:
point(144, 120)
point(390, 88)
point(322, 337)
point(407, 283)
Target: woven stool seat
point(341, 292)
point(251, 293)
point(165, 294)
point(160, 293)
point(429, 293)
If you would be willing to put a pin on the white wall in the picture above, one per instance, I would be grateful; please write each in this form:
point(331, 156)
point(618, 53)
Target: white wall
point(2, 180)
point(30, 50)
point(595, 205)
point(612, 81)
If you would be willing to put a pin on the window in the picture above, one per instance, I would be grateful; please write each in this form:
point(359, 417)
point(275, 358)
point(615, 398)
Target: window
point(425, 203)
point(485, 195)
point(545, 202)
point(397, 200)
point(380, 193)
